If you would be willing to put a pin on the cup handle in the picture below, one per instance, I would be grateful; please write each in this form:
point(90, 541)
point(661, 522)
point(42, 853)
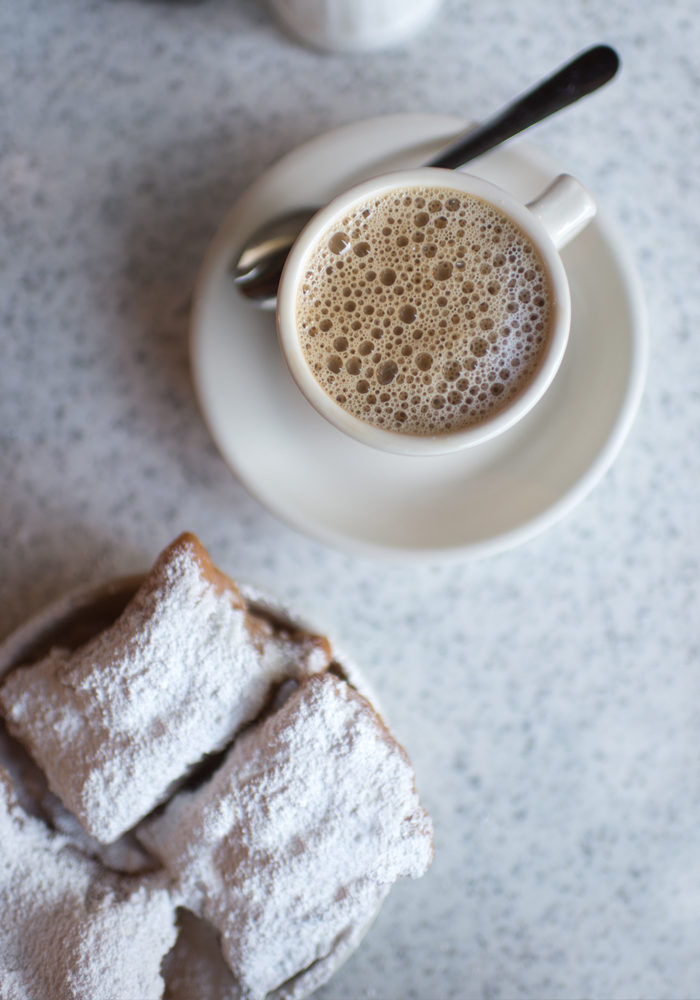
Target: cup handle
point(564, 209)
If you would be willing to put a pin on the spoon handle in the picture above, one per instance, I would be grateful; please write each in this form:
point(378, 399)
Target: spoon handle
point(584, 74)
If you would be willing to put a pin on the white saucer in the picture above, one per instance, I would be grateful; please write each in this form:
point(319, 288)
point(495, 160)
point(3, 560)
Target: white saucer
point(479, 501)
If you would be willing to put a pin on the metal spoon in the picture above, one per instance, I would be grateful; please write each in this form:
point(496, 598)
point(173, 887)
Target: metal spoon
point(258, 268)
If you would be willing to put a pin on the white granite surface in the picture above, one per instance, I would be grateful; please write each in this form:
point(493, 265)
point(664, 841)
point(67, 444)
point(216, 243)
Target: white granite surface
point(549, 696)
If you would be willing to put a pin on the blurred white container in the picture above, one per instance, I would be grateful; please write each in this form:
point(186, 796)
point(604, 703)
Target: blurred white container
point(353, 25)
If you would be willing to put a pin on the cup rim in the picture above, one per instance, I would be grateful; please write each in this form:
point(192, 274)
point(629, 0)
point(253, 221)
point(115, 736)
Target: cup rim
point(443, 442)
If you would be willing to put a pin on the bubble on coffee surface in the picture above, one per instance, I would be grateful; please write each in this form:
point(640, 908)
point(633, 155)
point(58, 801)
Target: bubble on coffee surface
point(424, 310)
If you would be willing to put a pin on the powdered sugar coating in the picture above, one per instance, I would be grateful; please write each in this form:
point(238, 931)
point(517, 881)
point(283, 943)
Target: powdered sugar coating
point(67, 927)
point(103, 931)
point(117, 722)
point(424, 310)
point(297, 837)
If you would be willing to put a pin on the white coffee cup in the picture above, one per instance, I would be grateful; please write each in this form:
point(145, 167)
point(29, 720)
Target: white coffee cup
point(353, 25)
point(549, 222)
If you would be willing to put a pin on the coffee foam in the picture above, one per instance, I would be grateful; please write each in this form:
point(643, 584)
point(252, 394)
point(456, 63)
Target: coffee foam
point(424, 310)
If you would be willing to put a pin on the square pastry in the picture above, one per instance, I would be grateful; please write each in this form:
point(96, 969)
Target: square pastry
point(68, 927)
point(117, 722)
point(290, 845)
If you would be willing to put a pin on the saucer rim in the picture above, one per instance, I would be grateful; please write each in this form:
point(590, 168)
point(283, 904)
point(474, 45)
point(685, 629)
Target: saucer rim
point(627, 278)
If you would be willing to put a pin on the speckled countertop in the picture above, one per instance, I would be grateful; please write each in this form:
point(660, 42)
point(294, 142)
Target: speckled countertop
point(549, 696)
